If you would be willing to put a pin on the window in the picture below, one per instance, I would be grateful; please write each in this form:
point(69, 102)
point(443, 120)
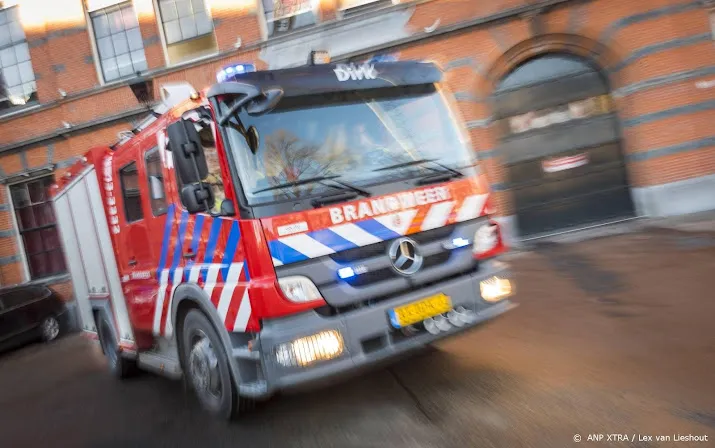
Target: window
point(38, 227)
point(283, 16)
point(129, 177)
point(17, 78)
point(214, 178)
point(119, 41)
point(188, 29)
point(155, 176)
point(349, 4)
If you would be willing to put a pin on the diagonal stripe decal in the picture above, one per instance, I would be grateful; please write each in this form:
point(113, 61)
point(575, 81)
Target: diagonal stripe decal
point(463, 206)
point(355, 234)
point(437, 216)
point(180, 240)
point(332, 240)
point(230, 251)
point(167, 235)
point(219, 267)
point(211, 245)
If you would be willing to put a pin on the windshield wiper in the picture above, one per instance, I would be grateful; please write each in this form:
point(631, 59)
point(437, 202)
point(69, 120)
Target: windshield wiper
point(296, 183)
point(341, 185)
point(404, 164)
point(348, 186)
point(445, 168)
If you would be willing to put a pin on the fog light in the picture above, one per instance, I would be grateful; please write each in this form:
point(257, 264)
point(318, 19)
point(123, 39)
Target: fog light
point(494, 289)
point(310, 349)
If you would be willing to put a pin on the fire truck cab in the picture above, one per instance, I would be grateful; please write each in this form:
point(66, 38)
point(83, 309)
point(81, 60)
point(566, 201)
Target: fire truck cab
point(283, 228)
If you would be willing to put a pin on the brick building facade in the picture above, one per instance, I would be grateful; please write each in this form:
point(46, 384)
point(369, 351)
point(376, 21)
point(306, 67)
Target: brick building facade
point(66, 65)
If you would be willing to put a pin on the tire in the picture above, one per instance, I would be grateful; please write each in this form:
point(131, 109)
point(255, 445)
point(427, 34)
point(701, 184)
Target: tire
point(50, 328)
point(119, 366)
point(206, 367)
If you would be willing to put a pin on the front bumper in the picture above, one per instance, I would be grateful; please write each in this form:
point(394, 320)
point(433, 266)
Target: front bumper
point(367, 334)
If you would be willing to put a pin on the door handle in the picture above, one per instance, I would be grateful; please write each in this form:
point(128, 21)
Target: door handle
point(189, 254)
point(132, 262)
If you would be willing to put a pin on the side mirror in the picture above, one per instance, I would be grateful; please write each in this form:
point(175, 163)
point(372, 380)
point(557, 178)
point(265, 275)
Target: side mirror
point(187, 152)
point(197, 198)
point(227, 208)
point(266, 102)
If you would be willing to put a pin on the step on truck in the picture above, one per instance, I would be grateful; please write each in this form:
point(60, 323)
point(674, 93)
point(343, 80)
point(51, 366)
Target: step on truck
point(283, 228)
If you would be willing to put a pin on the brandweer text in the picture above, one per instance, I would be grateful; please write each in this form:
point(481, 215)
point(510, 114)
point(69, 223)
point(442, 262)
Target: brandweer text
point(388, 204)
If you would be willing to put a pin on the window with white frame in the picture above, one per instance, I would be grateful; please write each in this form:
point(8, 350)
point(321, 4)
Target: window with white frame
point(37, 225)
point(283, 16)
point(119, 41)
point(188, 29)
point(350, 4)
point(17, 78)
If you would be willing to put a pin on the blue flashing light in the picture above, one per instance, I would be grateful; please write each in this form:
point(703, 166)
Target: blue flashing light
point(226, 73)
point(346, 273)
point(383, 58)
point(460, 242)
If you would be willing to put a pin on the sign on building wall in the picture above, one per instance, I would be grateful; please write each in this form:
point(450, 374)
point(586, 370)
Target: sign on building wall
point(587, 108)
point(287, 8)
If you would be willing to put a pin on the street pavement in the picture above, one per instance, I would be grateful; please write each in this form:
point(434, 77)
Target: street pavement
point(613, 336)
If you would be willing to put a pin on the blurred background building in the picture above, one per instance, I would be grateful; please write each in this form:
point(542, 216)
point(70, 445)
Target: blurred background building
point(582, 111)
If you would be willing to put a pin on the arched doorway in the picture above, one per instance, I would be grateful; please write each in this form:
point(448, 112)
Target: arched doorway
point(561, 145)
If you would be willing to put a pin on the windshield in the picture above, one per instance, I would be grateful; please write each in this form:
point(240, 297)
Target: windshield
point(358, 136)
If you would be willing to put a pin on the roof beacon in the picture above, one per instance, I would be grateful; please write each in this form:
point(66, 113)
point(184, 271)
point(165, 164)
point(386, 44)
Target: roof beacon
point(230, 71)
point(318, 57)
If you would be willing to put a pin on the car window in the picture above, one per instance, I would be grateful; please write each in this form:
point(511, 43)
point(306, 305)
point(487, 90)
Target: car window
point(21, 296)
point(12, 299)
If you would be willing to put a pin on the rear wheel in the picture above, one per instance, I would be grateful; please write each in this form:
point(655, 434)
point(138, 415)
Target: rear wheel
point(119, 366)
point(206, 366)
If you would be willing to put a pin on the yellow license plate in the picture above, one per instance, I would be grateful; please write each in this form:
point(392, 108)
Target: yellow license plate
point(418, 311)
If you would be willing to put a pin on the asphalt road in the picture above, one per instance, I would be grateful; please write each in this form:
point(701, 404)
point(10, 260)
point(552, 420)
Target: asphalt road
point(613, 336)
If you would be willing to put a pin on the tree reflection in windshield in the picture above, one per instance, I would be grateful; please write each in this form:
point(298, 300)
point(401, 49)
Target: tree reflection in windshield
point(350, 134)
point(286, 158)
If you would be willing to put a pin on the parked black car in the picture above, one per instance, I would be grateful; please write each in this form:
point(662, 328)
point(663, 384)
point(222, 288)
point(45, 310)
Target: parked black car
point(29, 313)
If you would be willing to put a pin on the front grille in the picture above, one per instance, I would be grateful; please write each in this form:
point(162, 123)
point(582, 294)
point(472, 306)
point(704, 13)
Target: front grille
point(330, 310)
point(373, 250)
point(382, 275)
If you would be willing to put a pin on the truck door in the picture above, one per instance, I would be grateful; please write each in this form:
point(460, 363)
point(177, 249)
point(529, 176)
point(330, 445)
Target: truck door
point(135, 249)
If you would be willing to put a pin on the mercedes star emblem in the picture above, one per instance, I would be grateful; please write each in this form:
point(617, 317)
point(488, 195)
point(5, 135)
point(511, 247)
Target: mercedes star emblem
point(405, 256)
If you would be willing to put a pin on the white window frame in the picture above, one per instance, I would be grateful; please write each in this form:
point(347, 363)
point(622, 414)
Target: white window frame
point(26, 277)
point(165, 45)
point(6, 6)
point(93, 41)
point(358, 4)
point(315, 8)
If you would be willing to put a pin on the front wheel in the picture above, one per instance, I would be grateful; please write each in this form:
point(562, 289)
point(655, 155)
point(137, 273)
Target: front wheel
point(206, 367)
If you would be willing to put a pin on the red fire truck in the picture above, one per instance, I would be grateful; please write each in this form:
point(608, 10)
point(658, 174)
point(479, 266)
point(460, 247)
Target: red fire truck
point(283, 228)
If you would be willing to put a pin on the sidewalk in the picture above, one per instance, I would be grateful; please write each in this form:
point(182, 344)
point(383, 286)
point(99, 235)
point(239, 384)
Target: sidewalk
point(697, 223)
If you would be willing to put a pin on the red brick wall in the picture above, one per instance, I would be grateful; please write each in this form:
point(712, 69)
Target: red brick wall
point(594, 29)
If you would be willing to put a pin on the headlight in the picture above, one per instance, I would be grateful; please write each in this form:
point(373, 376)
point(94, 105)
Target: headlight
point(494, 289)
point(299, 289)
point(310, 349)
point(486, 238)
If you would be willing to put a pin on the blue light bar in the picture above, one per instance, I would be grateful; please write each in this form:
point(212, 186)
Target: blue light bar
point(383, 58)
point(346, 273)
point(228, 72)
